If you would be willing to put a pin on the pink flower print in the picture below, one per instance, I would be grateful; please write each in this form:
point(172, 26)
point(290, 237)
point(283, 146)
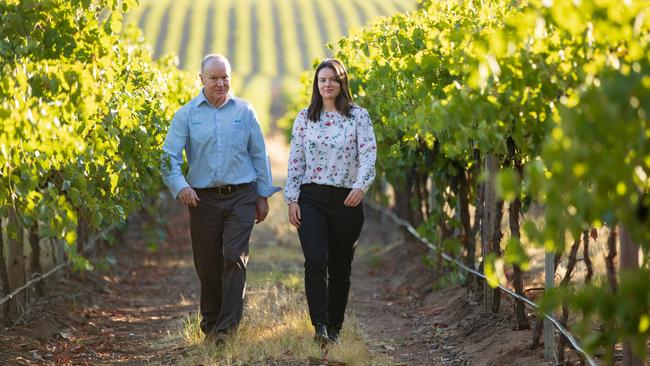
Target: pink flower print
point(328, 123)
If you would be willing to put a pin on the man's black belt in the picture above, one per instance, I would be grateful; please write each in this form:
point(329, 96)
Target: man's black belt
point(225, 189)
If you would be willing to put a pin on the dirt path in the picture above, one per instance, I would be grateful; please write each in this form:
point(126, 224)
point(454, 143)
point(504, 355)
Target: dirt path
point(381, 297)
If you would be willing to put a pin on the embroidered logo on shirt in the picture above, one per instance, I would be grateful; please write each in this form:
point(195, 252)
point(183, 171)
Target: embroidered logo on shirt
point(237, 121)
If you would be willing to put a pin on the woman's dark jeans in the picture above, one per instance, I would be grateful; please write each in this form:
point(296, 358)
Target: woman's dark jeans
point(328, 234)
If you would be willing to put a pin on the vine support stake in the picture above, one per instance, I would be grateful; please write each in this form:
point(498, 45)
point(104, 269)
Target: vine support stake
point(629, 262)
point(15, 263)
point(489, 218)
point(549, 330)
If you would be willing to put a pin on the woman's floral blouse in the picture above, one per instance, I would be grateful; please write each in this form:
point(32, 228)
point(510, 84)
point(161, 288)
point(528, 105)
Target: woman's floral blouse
point(336, 151)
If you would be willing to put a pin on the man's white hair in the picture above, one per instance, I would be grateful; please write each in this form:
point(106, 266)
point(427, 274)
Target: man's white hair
point(215, 56)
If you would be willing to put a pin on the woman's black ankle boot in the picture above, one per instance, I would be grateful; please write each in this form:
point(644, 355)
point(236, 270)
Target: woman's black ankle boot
point(321, 333)
point(333, 332)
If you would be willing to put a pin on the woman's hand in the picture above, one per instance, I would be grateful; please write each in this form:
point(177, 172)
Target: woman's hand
point(354, 198)
point(294, 214)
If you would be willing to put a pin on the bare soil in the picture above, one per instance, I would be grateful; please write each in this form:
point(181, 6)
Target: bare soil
point(129, 314)
point(394, 298)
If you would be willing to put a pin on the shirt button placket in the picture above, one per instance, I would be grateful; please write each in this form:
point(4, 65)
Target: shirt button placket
point(219, 148)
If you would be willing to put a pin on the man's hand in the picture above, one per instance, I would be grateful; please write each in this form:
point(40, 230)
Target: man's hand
point(261, 209)
point(354, 198)
point(294, 214)
point(188, 196)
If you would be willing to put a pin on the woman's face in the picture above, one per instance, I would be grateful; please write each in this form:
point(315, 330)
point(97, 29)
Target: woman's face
point(328, 84)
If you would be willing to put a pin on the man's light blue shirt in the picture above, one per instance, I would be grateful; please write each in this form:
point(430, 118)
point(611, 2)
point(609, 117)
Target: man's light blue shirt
point(223, 145)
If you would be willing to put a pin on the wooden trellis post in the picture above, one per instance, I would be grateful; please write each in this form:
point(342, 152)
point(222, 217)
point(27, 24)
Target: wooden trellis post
point(487, 231)
point(15, 263)
point(549, 328)
point(629, 262)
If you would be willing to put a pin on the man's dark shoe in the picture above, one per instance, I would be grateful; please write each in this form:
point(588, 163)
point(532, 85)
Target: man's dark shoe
point(216, 338)
point(333, 332)
point(321, 334)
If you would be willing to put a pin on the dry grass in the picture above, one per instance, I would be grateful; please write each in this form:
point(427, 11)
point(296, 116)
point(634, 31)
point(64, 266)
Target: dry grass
point(276, 329)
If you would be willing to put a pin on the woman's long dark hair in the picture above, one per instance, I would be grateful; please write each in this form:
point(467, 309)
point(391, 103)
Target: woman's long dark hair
point(343, 101)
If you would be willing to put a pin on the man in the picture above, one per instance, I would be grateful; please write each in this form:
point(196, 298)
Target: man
point(226, 190)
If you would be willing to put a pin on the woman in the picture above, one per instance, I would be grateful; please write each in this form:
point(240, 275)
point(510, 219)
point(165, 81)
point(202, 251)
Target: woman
point(331, 166)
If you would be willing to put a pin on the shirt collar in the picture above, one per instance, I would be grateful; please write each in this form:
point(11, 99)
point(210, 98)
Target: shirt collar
point(202, 98)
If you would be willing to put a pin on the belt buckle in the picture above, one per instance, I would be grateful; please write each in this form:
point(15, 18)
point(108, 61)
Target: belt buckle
point(225, 189)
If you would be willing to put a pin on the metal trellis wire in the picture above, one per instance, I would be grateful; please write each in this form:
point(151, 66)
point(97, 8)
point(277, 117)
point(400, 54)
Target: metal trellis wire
point(433, 247)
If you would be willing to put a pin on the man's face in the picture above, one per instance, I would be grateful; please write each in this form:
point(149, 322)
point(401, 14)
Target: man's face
point(216, 80)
